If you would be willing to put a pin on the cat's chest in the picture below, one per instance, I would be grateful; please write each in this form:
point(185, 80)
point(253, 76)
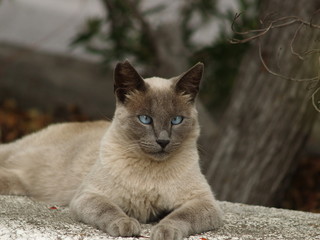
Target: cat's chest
point(145, 205)
point(145, 201)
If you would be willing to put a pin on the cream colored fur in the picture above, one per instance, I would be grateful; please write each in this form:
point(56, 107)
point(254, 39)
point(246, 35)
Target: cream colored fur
point(108, 181)
point(52, 163)
point(158, 83)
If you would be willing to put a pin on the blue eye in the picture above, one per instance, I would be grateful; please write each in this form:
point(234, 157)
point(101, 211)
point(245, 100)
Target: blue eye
point(145, 119)
point(176, 120)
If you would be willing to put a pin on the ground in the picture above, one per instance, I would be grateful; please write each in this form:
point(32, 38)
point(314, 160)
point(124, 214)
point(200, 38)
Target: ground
point(22, 218)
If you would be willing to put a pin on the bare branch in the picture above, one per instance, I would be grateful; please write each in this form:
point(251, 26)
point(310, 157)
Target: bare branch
point(277, 23)
point(314, 102)
point(315, 105)
point(301, 56)
point(280, 23)
point(316, 78)
point(312, 17)
point(292, 41)
point(235, 41)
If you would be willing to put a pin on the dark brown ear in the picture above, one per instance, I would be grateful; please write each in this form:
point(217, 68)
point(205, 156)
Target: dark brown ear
point(126, 80)
point(188, 83)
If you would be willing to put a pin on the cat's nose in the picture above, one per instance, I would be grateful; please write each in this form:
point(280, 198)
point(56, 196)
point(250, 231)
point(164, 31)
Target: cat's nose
point(163, 139)
point(163, 142)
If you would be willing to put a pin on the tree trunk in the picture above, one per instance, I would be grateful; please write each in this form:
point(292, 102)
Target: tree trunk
point(268, 119)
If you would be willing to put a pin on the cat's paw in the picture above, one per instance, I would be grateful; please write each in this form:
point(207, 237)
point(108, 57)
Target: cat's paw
point(124, 227)
point(165, 232)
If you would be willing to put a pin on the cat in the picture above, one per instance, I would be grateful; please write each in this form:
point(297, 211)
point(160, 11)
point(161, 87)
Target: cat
point(141, 167)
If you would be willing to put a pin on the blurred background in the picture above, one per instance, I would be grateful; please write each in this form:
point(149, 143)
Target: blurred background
point(260, 132)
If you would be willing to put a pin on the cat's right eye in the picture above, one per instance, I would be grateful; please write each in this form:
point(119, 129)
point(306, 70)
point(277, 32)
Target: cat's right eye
point(145, 119)
point(176, 120)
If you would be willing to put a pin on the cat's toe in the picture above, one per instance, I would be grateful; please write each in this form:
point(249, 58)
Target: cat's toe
point(124, 227)
point(165, 232)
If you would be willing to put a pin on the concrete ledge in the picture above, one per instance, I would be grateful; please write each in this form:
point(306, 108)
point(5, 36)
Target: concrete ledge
point(22, 218)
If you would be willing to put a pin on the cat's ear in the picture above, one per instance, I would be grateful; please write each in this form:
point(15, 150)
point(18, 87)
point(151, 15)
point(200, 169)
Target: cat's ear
point(188, 83)
point(126, 80)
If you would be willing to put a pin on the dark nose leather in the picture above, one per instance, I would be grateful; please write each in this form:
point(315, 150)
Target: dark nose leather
point(163, 143)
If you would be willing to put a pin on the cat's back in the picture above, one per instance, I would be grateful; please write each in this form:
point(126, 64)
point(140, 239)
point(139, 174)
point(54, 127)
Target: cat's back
point(62, 153)
point(65, 133)
point(62, 138)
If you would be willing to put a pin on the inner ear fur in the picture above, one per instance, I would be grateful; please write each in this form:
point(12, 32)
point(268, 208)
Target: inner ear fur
point(188, 83)
point(126, 80)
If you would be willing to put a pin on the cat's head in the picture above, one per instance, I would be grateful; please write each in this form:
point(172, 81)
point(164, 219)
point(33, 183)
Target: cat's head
point(157, 115)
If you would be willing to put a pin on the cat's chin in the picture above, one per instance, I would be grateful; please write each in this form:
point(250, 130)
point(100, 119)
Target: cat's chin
point(158, 156)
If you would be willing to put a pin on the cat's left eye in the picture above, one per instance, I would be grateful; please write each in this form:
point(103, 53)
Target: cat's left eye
point(176, 120)
point(145, 119)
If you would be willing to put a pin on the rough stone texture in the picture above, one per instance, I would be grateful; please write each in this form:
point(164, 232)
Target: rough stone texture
point(22, 218)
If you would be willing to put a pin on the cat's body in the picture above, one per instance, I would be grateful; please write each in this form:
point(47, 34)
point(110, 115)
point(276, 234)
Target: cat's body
point(52, 163)
point(141, 166)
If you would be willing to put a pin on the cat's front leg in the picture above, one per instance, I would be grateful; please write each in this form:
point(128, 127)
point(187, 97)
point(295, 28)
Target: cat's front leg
point(195, 216)
point(96, 210)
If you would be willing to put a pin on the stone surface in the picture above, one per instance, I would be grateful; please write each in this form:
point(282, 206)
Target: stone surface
point(22, 218)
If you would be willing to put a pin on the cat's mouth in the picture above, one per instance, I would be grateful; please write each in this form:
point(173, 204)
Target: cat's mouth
point(158, 155)
point(154, 151)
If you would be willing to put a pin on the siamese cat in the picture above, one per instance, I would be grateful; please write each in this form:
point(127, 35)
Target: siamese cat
point(141, 167)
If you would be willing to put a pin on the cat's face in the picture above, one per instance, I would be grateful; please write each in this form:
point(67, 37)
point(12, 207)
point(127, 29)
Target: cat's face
point(157, 115)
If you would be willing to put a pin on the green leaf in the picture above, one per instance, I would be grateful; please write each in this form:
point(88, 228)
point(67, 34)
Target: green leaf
point(153, 10)
point(93, 27)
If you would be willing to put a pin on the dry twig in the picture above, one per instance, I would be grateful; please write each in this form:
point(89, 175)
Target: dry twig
point(314, 103)
point(277, 23)
point(316, 78)
point(280, 23)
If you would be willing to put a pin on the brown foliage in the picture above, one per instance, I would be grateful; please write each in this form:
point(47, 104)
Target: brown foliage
point(16, 122)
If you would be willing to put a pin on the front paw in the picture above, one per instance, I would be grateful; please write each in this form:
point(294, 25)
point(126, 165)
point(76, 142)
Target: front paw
point(165, 232)
point(124, 227)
